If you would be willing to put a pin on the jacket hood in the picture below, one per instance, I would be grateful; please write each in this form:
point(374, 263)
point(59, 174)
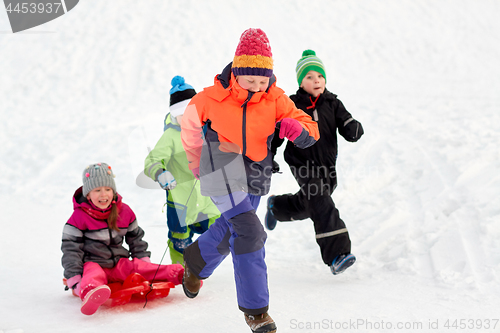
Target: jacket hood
point(168, 123)
point(225, 77)
point(223, 87)
point(328, 95)
point(79, 201)
point(305, 97)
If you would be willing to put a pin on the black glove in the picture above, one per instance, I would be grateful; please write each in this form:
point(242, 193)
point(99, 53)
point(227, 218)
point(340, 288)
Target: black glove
point(352, 130)
point(276, 167)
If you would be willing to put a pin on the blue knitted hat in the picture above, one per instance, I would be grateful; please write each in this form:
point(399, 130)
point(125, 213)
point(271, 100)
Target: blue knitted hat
point(180, 95)
point(178, 85)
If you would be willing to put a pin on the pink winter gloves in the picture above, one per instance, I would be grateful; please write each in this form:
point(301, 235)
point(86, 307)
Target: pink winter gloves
point(290, 129)
point(196, 173)
point(74, 284)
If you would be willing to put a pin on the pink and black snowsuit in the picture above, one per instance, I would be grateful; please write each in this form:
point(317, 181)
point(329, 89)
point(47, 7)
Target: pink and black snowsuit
point(93, 254)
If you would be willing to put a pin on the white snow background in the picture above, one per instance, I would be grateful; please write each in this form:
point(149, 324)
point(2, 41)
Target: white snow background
point(420, 192)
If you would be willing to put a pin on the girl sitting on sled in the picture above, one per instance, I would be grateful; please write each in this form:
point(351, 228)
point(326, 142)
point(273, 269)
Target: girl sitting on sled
point(92, 240)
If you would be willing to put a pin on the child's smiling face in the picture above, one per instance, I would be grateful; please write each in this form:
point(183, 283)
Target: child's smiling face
point(101, 197)
point(253, 83)
point(314, 83)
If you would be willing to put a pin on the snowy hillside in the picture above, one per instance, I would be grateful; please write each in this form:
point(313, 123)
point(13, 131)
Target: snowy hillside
point(419, 192)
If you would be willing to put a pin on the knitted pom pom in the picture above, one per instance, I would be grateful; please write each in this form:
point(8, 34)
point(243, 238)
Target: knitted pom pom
point(177, 81)
point(308, 53)
point(254, 42)
point(253, 54)
point(97, 175)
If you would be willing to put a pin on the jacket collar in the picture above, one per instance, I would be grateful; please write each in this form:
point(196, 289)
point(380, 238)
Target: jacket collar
point(170, 124)
point(326, 95)
point(79, 201)
point(225, 85)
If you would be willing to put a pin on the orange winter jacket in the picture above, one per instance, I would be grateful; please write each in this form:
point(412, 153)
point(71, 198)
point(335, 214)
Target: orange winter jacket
point(220, 127)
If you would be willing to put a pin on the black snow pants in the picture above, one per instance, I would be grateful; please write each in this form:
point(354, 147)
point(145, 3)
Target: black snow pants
point(314, 201)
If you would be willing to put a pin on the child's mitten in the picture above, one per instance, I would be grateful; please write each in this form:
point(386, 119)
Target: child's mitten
point(196, 173)
point(167, 180)
point(290, 128)
point(74, 284)
point(352, 130)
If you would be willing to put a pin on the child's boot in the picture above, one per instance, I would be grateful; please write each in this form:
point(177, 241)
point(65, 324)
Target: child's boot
point(262, 323)
point(94, 299)
point(342, 262)
point(190, 283)
point(270, 220)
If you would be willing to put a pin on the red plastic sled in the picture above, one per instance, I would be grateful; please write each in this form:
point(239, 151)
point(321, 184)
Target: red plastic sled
point(135, 286)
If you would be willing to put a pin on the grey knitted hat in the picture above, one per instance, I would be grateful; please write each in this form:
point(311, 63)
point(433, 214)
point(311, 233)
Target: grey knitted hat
point(97, 175)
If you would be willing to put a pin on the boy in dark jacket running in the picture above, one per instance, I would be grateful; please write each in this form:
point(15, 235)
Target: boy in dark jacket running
point(314, 167)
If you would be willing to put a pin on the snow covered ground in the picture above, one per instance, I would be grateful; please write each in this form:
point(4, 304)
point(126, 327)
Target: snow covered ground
point(419, 192)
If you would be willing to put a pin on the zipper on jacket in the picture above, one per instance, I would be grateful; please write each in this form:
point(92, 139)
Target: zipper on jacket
point(244, 122)
point(205, 133)
point(113, 257)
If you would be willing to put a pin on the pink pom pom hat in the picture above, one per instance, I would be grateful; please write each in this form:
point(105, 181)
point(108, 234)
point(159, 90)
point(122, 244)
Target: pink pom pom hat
point(253, 55)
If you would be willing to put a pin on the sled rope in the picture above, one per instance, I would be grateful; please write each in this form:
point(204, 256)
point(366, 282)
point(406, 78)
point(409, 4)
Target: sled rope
point(166, 248)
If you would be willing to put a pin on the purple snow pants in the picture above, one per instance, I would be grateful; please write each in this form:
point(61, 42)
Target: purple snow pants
point(238, 231)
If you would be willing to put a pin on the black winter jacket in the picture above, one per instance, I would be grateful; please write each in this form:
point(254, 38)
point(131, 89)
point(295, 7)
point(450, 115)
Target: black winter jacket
point(330, 115)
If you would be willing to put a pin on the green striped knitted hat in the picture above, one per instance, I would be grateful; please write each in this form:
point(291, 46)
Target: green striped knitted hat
point(309, 62)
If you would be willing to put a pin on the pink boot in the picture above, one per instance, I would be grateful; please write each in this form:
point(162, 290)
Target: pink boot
point(94, 299)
